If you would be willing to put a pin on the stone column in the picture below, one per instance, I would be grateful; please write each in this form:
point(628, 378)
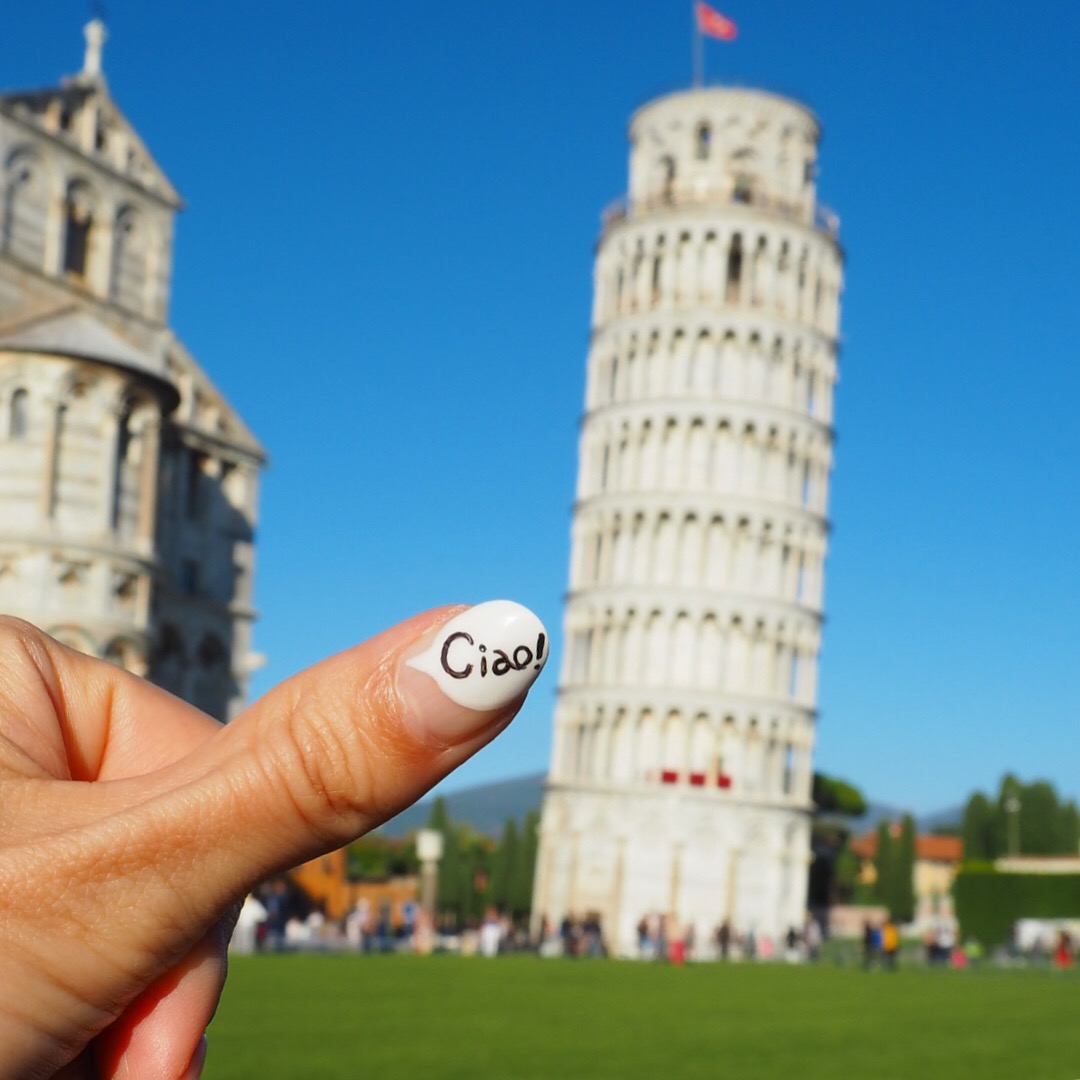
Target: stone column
point(146, 523)
point(51, 461)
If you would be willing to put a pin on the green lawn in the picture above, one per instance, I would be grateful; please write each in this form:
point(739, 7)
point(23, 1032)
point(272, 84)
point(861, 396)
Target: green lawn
point(387, 1017)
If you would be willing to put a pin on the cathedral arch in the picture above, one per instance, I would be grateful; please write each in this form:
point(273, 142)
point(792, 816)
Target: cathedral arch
point(25, 208)
point(703, 141)
point(125, 653)
point(18, 415)
point(80, 234)
point(75, 637)
point(130, 256)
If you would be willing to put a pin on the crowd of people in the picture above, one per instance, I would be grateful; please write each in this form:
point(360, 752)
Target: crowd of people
point(273, 925)
point(661, 938)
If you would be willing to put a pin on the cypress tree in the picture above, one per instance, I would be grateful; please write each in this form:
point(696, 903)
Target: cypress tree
point(521, 901)
point(449, 896)
point(883, 864)
point(902, 885)
point(503, 866)
point(978, 830)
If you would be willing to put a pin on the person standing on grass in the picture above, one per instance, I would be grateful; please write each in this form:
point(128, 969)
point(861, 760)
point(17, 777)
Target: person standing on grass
point(890, 943)
point(871, 939)
point(1063, 955)
point(723, 939)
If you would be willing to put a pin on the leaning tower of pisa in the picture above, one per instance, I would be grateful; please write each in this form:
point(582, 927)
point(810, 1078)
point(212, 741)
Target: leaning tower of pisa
point(681, 770)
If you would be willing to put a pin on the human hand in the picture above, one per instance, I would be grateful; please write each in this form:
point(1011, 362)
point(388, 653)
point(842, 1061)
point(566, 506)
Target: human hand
point(133, 824)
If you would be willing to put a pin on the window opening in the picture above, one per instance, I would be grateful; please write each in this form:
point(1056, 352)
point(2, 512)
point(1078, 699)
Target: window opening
point(79, 221)
point(734, 268)
point(17, 418)
point(704, 142)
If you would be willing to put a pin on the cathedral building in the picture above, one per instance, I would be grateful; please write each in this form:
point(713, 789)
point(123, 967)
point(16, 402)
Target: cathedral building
point(128, 485)
point(681, 771)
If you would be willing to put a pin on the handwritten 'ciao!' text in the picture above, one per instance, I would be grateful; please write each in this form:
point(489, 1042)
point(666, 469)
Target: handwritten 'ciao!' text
point(461, 656)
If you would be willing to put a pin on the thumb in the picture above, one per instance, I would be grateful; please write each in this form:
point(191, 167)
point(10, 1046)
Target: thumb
point(324, 757)
point(336, 751)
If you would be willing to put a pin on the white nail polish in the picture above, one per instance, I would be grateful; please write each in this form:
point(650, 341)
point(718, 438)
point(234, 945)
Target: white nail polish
point(487, 656)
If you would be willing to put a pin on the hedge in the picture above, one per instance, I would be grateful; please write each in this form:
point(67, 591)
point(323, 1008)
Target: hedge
point(989, 902)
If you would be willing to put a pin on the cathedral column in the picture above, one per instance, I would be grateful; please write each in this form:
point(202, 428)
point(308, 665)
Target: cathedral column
point(113, 469)
point(50, 478)
point(146, 523)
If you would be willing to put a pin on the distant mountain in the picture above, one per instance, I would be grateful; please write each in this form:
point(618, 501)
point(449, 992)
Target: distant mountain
point(485, 807)
point(876, 813)
point(951, 818)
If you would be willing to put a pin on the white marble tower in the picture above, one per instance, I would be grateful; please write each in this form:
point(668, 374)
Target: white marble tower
point(681, 770)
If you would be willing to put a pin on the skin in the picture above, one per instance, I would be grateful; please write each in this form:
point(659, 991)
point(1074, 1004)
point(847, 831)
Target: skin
point(133, 825)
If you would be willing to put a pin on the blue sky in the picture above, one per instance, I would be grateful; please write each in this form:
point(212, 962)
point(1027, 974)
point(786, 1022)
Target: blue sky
point(386, 261)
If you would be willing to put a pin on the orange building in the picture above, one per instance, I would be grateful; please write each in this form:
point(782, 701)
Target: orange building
point(326, 881)
point(936, 862)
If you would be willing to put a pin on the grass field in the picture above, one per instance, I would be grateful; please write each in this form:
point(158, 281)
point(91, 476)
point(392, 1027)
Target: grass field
point(383, 1018)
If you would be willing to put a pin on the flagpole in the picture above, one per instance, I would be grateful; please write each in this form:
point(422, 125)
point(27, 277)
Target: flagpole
point(699, 50)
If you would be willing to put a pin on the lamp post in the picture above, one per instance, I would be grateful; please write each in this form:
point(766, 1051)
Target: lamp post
point(429, 850)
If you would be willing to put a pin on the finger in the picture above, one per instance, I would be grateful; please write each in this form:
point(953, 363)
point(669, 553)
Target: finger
point(347, 744)
point(163, 1031)
point(72, 717)
point(324, 757)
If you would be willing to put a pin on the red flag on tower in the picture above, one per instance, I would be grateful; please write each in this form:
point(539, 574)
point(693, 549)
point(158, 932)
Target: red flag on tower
point(712, 24)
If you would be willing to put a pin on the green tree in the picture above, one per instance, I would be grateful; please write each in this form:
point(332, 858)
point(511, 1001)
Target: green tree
point(1070, 829)
point(449, 898)
point(845, 875)
point(1028, 819)
point(883, 864)
point(1040, 819)
point(902, 874)
point(476, 856)
point(504, 865)
point(521, 897)
point(978, 829)
point(1010, 803)
point(835, 796)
